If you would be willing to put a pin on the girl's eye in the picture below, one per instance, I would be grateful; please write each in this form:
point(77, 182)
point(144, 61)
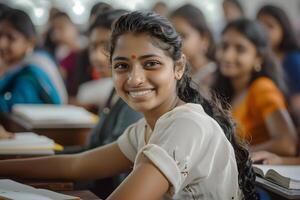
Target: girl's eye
point(120, 66)
point(151, 64)
point(241, 49)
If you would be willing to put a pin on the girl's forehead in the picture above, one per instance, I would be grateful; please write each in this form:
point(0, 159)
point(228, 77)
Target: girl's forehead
point(130, 43)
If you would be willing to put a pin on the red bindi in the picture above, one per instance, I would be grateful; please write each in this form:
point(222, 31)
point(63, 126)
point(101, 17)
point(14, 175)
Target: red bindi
point(133, 56)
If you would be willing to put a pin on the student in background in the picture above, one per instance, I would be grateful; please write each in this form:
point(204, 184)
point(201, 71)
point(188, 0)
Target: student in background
point(20, 82)
point(251, 81)
point(232, 9)
point(286, 48)
point(97, 9)
point(150, 74)
point(198, 44)
point(68, 44)
point(92, 77)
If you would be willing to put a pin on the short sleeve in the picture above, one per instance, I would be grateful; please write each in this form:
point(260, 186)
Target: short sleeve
point(128, 142)
point(174, 147)
point(266, 97)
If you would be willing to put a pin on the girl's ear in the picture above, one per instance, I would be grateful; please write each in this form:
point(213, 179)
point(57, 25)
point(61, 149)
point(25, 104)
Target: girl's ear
point(180, 67)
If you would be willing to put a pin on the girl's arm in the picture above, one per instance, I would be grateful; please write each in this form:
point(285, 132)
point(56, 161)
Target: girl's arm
point(268, 158)
point(144, 182)
point(283, 134)
point(98, 163)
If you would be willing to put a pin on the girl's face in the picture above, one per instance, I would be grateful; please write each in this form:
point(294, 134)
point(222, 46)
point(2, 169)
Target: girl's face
point(237, 55)
point(193, 42)
point(64, 32)
point(99, 39)
point(273, 28)
point(144, 76)
point(13, 44)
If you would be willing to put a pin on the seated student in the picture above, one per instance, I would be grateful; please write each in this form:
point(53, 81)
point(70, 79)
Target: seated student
point(198, 44)
point(21, 83)
point(286, 48)
point(93, 83)
point(269, 158)
point(150, 74)
point(249, 79)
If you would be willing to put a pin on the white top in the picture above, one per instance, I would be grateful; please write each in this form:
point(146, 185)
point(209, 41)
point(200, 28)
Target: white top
point(191, 150)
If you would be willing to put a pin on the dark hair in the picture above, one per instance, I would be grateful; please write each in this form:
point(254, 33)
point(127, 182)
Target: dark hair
point(255, 33)
point(237, 3)
point(100, 7)
point(289, 41)
point(106, 19)
point(160, 28)
point(60, 14)
point(196, 19)
point(20, 21)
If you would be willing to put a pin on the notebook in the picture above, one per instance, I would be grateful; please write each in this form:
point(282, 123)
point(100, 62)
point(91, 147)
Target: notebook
point(28, 143)
point(55, 116)
point(287, 176)
point(10, 189)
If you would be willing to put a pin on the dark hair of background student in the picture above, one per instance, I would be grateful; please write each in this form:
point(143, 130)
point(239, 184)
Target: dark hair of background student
point(165, 37)
point(196, 19)
point(237, 4)
point(20, 21)
point(255, 33)
point(289, 41)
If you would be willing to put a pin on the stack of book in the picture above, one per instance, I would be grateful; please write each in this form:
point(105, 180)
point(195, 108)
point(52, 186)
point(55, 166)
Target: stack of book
point(28, 143)
point(58, 116)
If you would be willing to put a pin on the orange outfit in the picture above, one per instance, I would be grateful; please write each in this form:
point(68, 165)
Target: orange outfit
point(263, 97)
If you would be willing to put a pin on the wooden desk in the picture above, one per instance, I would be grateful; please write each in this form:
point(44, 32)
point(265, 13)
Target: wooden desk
point(83, 194)
point(277, 192)
point(66, 136)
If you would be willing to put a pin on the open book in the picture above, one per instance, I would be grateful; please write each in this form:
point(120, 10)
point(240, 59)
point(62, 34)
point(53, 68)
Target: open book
point(57, 116)
point(13, 190)
point(287, 176)
point(28, 144)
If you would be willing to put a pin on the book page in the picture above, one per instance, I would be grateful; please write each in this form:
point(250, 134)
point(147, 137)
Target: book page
point(27, 143)
point(13, 190)
point(290, 171)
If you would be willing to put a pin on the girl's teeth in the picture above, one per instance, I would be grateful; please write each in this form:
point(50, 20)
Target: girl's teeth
point(139, 93)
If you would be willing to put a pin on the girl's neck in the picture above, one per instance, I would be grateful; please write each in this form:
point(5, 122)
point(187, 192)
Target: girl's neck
point(153, 115)
point(240, 84)
point(279, 54)
point(197, 62)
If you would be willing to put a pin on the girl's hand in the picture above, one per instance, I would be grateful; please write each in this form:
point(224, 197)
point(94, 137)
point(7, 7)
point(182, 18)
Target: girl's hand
point(266, 158)
point(5, 134)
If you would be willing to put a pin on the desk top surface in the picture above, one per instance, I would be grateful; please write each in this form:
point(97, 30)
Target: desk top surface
point(83, 194)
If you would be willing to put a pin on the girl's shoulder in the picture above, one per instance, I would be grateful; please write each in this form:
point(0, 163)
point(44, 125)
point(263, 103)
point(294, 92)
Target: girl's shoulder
point(188, 115)
point(262, 84)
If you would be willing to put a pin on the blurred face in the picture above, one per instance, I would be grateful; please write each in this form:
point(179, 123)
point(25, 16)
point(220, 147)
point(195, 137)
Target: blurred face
point(273, 28)
point(63, 30)
point(193, 42)
point(231, 12)
point(13, 44)
point(99, 39)
point(237, 55)
point(144, 76)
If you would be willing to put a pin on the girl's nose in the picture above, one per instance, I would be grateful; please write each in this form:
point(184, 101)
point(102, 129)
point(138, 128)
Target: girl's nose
point(136, 76)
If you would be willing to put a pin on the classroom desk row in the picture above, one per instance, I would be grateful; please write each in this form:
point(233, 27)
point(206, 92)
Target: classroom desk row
point(66, 136)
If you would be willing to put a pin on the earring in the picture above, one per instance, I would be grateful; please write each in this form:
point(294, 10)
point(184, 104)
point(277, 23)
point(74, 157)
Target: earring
point(257, 67)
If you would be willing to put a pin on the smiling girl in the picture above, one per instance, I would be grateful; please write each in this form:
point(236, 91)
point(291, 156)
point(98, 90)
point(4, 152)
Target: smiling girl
point(183, 148)
point(251, 81)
